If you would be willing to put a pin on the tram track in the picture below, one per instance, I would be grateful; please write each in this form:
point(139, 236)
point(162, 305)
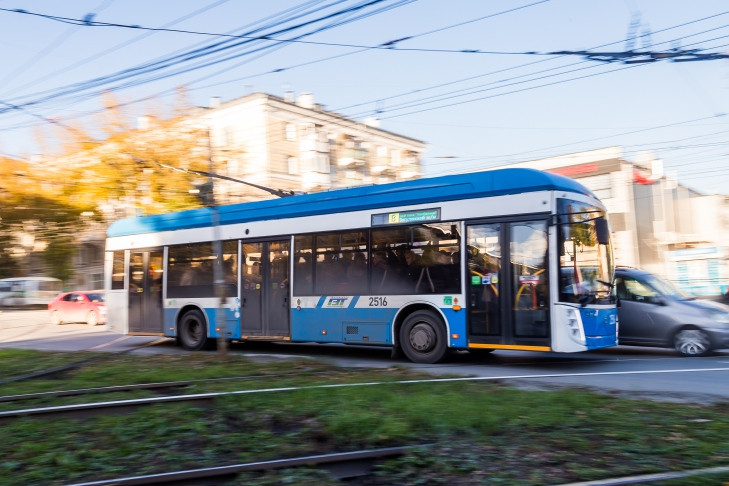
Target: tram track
point(157, 387)
point(341, 465)
point(203, 399)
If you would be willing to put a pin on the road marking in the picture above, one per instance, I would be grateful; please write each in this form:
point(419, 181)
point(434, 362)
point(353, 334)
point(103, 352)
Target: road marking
point(210, 395)
point(103, 345)
point(154, 343)
point(566, 375)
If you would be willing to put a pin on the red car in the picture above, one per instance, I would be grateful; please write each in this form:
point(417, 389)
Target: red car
point(79, 306)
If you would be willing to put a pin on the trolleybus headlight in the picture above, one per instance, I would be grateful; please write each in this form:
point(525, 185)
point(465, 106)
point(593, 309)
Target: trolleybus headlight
point(574, 326)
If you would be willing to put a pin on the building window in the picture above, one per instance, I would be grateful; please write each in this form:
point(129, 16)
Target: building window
point(232, 167)
point(315, 162)
point(290, 132)
point(293, 164)
point(91, 254)
point(229, 136)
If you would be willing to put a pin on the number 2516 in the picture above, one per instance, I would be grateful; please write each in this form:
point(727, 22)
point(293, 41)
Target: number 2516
point(378, 301)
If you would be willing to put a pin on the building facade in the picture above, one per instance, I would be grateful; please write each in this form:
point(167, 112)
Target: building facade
point(296, 145)
point(657, 224)
point(284, 144)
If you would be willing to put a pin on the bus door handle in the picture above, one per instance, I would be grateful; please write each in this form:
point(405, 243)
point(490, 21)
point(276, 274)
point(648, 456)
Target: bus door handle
point(286, 301)
point(243, 303)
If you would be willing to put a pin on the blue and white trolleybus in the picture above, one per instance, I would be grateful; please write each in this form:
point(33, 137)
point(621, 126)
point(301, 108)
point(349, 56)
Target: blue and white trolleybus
point(504, 259)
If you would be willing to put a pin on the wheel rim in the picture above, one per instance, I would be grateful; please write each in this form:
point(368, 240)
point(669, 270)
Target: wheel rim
point(422, 337)
point(55, 317)
point(194, 332)
point(91, 319)
point(692, 342)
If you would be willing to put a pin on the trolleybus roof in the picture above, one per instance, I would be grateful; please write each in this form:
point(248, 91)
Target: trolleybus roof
point(418, 191)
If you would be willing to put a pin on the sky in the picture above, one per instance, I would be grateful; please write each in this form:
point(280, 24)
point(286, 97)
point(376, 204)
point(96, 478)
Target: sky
point(482, 83)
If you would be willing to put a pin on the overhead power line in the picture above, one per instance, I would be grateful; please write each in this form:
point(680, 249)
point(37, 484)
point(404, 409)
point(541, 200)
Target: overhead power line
point(388, 45)
point(193, 57)
point(635, 57)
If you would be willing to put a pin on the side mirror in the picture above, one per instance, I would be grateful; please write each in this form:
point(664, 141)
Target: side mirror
point(658, 300)
point(603, 231)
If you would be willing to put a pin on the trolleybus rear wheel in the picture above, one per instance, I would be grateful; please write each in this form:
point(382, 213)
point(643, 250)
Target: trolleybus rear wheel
point(192, 331)
point(423, 337)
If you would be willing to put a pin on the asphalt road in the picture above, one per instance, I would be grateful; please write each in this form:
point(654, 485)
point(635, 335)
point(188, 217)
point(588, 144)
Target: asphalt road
point(659, 374)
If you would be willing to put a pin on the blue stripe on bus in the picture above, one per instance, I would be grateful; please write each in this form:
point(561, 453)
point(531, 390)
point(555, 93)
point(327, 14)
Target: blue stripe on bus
point(363, 325)
point(419, 191)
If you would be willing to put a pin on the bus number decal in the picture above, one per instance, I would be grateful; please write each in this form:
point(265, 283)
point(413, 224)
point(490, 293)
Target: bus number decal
point(378, 301)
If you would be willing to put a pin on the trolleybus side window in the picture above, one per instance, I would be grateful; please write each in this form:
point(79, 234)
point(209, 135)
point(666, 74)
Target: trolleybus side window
point(303, 265)
point(191, 269)
point(117, 271)
point(421, 259)
point(341, 263)
point(354, 257)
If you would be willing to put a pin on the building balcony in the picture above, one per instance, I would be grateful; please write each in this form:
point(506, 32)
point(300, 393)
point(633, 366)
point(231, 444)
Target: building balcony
point(409, 174)
point(349, 162)
point(382, 169)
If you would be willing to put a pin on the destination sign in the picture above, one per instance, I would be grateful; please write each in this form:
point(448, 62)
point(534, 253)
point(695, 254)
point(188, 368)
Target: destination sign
point(406, 217)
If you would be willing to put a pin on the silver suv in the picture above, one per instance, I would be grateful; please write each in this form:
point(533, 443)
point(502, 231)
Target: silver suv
point(652, 312)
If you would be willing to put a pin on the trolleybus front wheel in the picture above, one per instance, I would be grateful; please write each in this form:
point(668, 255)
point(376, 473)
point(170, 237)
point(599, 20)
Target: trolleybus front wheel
point(423, 337)
point(192, 331)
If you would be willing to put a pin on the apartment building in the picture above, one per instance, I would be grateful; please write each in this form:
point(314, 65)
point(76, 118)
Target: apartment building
point(294, 144)
point(260, 141)
point(657, 224)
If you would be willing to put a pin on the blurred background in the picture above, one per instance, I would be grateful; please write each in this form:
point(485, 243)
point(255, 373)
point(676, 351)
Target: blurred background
point(117, 109)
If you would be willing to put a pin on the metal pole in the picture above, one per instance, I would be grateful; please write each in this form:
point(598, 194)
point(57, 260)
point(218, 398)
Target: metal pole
point(219, 283)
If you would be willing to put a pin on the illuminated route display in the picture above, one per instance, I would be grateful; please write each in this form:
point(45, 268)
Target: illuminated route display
point(406, 217)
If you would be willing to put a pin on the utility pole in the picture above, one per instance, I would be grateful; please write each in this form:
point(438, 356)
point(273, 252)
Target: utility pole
point(207, 196)
point(218, 282)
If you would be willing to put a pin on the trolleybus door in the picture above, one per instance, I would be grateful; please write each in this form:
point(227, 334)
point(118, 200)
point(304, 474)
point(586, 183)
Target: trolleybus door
point(145, 292)
point(265, 289)
point(508, 296)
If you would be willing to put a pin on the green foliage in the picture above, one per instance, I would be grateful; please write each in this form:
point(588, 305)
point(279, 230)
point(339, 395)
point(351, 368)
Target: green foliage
point(470, 433)
point(130, 169)
point(59, 258)
point(8, 266)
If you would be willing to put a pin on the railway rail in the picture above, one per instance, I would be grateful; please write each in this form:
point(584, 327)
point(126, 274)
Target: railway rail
point(205, 399)
point(344, 465)
point(158, 387)
point(354, 464)
point(85, 410)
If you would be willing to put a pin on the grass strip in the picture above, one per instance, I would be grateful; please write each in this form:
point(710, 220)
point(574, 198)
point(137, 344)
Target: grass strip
point(485, 433)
